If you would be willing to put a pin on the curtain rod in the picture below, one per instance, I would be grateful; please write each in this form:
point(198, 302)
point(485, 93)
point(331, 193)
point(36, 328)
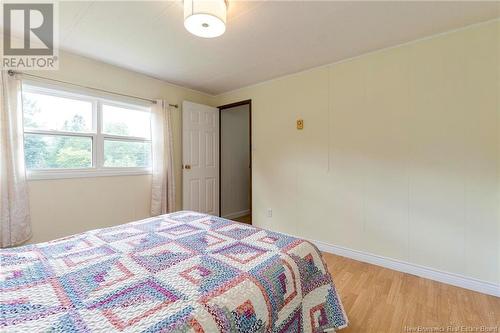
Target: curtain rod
point(12, 73)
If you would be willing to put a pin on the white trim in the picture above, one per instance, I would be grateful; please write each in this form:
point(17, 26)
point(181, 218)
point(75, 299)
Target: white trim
point(58, 133)
point(85, 173)
point(113, 137)
point(99, 141)
point(236, 214)
point(55, 91)
point(414, 269)
point(122, 103)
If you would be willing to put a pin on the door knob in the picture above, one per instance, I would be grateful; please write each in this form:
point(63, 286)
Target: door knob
point(187, 167)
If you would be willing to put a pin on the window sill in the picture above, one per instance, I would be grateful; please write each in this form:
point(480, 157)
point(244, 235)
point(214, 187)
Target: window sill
point(88, 173)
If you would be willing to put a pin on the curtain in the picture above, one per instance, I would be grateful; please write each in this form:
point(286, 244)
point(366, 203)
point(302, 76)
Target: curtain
point(15, 225)
point(163, 186)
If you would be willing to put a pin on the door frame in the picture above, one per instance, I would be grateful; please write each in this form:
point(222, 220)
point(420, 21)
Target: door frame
point(222, 108)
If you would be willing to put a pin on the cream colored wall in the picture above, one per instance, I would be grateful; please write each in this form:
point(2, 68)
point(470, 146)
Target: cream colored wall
point(399, 156)
point(67, 206)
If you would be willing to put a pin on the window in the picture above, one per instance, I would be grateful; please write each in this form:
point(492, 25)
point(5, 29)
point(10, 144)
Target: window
point(69, 134)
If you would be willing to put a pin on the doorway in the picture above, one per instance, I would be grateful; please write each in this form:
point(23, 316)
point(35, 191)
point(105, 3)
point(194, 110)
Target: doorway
point(235, 161)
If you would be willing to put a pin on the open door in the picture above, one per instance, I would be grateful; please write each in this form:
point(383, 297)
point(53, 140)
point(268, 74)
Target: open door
point(200, 153)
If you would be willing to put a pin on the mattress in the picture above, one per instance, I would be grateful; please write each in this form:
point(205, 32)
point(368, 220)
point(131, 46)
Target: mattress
point(180, 272)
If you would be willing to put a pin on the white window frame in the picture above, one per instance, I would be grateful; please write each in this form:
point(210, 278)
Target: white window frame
point(97, 136)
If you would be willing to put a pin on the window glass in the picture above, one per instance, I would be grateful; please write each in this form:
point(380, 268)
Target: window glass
point(125, 122)
point(127, 153)
point(57, 152)
point(121, 140)
point(47, 112)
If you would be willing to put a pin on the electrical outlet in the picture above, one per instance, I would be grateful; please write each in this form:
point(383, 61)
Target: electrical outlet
point(269, 212)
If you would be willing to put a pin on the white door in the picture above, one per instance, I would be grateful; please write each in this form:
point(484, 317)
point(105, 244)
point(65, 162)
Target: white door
point(200, 153)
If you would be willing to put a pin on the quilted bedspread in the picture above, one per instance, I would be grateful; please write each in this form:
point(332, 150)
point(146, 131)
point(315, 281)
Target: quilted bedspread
point(181, 272)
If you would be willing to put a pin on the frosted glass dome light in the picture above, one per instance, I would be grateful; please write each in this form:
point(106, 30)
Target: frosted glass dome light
point(205, 18)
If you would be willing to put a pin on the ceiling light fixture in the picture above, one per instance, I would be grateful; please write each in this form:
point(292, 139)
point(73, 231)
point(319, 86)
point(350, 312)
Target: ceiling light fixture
point(205, 18)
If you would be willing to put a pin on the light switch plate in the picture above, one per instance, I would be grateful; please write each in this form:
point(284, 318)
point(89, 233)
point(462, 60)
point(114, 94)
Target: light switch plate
point(300, 124)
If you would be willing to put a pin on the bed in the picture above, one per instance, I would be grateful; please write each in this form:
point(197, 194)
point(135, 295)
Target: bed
point(180, 272)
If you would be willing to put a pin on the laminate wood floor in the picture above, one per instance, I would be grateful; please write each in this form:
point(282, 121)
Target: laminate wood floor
point(244, 219)
point(381, 300)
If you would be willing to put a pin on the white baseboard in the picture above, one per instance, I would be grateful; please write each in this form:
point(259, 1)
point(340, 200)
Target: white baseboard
point(422, 271)
point(236, 214)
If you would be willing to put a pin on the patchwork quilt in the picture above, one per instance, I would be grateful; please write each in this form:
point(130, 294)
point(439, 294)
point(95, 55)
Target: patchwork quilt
point(181, 272)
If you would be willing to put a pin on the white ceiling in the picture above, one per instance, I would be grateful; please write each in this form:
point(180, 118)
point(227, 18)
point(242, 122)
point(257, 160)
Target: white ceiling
point(263, 40)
